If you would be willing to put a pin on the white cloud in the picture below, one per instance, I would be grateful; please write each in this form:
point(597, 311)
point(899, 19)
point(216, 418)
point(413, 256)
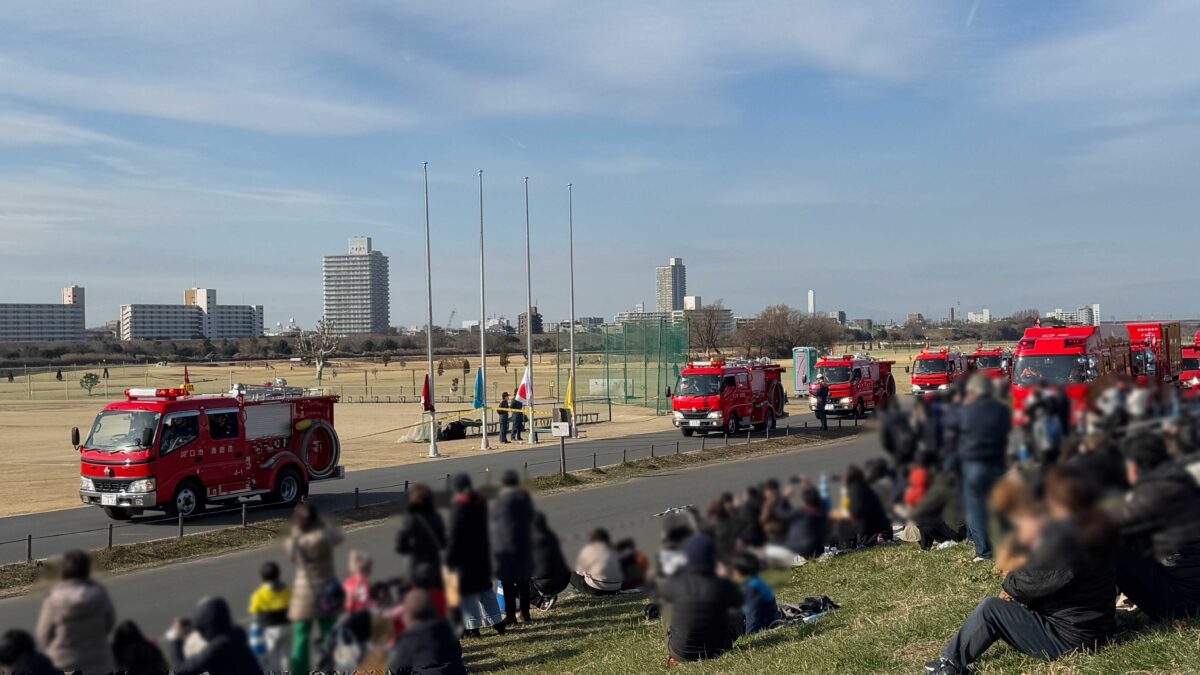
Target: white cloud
point(18, 128)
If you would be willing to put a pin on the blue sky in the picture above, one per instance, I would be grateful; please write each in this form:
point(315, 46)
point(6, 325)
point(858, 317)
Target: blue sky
point(896, 157)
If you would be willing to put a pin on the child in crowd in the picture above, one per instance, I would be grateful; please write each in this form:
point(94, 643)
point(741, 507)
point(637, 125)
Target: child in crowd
point(358, 584)
point(758, 600)
point(269, 611)
point(634, 564)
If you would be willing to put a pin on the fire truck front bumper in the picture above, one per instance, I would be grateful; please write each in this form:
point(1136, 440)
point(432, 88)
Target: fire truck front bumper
point(935, 389)
point(117, 493)
point(835, 406)
point(694, 421)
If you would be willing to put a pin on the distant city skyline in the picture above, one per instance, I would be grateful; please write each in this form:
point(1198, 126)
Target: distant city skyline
point(1008, 155)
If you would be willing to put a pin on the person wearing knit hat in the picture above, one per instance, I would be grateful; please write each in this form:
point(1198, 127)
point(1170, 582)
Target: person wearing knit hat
point(705, 610)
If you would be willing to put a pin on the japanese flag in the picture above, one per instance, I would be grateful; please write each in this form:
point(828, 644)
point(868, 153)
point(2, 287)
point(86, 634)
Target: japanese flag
point(525, 391)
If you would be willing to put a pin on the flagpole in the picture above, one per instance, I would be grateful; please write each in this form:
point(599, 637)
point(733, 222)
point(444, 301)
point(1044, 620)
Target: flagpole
point(529, 319)
point(433, 451)
point(571, 267)
point(483, 417)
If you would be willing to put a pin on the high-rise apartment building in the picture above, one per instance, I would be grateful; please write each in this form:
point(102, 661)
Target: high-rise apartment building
point(356, 289)
point(36, 322)
point(538, 326)
point(812, 302)
point(670, 286)
point(198, 317)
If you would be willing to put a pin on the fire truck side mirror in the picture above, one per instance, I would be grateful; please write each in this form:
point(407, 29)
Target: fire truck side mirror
point(75, 437)
point(907, 369)
point(147, 436)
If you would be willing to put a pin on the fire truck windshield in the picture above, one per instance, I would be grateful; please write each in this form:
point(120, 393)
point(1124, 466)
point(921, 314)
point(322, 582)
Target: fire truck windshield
point(699, 385)
point(1062, 369)
point(835, 374)
point(930, 366)
point(984, 362)
point(120, 429)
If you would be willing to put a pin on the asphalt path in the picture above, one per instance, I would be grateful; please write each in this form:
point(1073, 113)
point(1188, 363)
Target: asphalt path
point(88, 527)
point(153, 597)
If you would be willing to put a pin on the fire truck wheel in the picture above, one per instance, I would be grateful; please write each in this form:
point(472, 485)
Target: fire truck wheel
point(732, 425)
point(687, 433)
point(860, 410)
point(289, 487)
point(118, 513)
point(188, 501)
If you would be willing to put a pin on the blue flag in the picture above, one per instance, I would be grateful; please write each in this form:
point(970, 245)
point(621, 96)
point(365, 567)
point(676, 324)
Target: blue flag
point(480, 400)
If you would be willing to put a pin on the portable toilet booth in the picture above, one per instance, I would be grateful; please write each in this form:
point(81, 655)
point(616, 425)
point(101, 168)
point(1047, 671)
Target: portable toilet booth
point(804, 362)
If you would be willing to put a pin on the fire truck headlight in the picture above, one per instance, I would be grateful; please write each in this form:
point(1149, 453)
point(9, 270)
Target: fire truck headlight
point(943, 387)
point(714, 415)
point(916, 388)
point(86, 483)
point(678, 415)
point(846, 400)
point(143, 485)
point(1194, 381)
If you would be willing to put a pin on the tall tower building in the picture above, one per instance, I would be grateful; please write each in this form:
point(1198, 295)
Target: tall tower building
point(812, 302)
point(356, 289)
point(670, 285)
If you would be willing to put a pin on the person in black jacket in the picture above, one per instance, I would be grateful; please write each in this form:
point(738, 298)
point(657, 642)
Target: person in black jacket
point(551, 574)
point(705, 609)
point(134, 654)
point(750, 530)
point(226, 648)
point(1158, 566)
point(503, 414)
point(721, 524)
point(808, 524)
point(869, 522)
point(469, 555)
point(939, 513)
point(427, 646)
point(422, 534)
point(19, 654)
point(821, 394)
point(512, 544)
point(518, 418)
point(1062, 599)
point(983, 426)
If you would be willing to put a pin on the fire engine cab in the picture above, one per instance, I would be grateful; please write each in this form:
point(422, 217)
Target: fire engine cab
point(1069, 358)
point(856, 383)
point(935, 372)
point(1189, 376)
point(171, 450)
point(993, 362)
point(726, 396)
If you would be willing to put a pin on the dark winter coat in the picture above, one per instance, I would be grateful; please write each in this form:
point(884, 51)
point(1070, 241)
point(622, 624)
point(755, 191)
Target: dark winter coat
point(134, 654)
point(942, 501)
point(1161, 519)
point(1074, 590)
point(868, 514)
point(897, 436)
point(821, 394)
point(706, 610)
point(226, 648)
point(469, 550)
point(749, 524)
point(983, 431)
point(427, 648)
point(512, 534)
point(421, 538)
point(808, 531)
point(551, 574)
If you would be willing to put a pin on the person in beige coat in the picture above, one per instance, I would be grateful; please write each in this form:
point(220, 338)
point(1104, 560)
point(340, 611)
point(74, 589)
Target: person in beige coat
point(310, 548)
point(76, 619)
point(598, 567)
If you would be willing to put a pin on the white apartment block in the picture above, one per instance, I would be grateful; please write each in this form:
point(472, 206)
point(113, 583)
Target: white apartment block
point(984, 316)
point(670, 285)
point(32, 322)
point(356, 289)
point(198, 317)
point(1087, 315)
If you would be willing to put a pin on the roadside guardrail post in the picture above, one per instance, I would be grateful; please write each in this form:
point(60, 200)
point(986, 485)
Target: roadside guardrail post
point(180, 516)
point(702, 439)
point(624, 452)
point(747, 438)
point(593, 461)
point(768, 433)
point(405, 486)
point(651, 451)
point(29, 548)
point(727, 440)
point(244, 510)
point(356, 498)
point(110, 528)
point(676, 447)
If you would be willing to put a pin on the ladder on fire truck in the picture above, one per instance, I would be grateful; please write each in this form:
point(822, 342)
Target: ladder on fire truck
point(272, 392)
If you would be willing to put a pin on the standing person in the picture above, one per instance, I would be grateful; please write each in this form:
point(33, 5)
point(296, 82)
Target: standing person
point(705, 610)
point(984, 424)
point(518, 419)
point(310, 547)
point(503, 414)
point(821, 394)
point(269, 610)
point(18, 654)
point(422, 535)
point(226, 648)
point(469, 555)
point(134, 654)
point(76, 618)
point(512, 545)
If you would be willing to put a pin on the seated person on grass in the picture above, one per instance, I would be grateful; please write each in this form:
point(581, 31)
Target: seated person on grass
point(1062, 599)
point(598, 567)
point(758, 600)
point(939, 514)
point(705, 610)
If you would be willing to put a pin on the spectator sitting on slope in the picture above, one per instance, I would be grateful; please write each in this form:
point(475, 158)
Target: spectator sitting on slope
point(758, 600)
point(704, 609)
point(598, 567)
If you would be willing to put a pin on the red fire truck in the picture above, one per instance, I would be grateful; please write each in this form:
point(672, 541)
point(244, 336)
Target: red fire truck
point(1156, 351)
point(167, 449)
point(994, 362)
point(728, 395)
point(856, 383)
point(1069, 358)
point(935, 372)
point(1189, 368)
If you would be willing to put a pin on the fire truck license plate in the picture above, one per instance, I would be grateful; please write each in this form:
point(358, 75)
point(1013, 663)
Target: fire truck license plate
point(108, 500)
point(693, 423)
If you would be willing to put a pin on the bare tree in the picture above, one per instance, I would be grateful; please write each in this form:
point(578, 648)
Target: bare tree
point(707, 329)
point(317, 346)
point(778, 328)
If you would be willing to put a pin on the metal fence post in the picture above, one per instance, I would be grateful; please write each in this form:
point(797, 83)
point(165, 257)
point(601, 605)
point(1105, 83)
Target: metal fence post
point(29, 548)
point(702, 444)
point(839, 423)
point(244, 513)
point(747, 438)
point(110, 529)
point(624, 452)
point(727, 439)
point(405, 486)
point(180, 516)
point(651, 451)
point(355, 498)
point(593, 461)
point(677, 447)
point(768, 433)
point(787, 431)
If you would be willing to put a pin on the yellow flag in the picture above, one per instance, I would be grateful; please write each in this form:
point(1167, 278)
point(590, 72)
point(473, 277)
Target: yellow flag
point(569, 399)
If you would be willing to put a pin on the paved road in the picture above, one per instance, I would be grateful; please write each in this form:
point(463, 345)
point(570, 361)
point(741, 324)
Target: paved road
point(87, 528)
point(153, 597)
